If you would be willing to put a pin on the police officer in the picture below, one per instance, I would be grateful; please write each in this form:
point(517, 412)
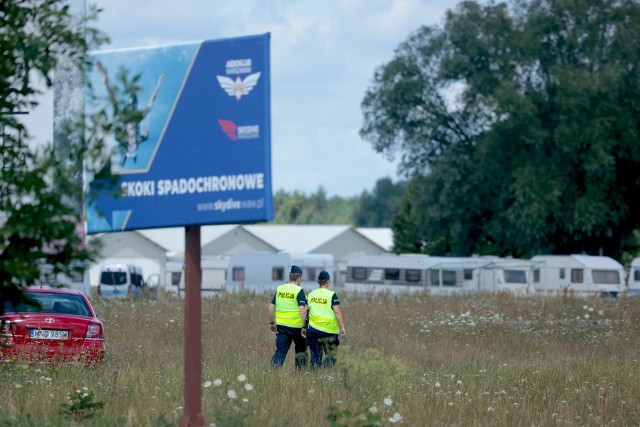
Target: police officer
point(290, 306)
point(325, 323)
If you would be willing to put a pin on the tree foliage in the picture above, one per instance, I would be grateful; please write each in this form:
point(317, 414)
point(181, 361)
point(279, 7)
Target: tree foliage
point(519, 126)
point(317, 208)
point(376, 209)
point(370, 209)
point(39, 193)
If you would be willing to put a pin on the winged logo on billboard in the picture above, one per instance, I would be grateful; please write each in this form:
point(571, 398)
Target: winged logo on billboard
point(238, 87)
point(229, 128)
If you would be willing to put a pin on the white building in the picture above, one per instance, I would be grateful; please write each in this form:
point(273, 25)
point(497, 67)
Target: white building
point(130, 247)
point(152, 249)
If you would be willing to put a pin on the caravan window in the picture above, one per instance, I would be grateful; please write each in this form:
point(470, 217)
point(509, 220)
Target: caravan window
point(175, 278)
point(237, 274)
point(468, 274)
point(412, 275)
point(536, 276)
point(636, 276)
point(561, 273)
point(515, 276)
point(606, 276)
point(577, 275)
point(311, 274)
point(448, 278)
point(359, 273)
point(391, 274)
point(277, 273)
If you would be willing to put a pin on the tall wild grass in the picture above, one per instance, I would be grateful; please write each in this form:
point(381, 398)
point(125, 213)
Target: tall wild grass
point(415, 360)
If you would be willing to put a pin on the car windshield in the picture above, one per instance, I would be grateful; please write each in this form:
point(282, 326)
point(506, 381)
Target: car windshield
point(51, 302)
point(113, 278)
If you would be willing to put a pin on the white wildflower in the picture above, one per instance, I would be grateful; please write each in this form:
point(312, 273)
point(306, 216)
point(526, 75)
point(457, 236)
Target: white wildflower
point(248, 387)
point(373, 409)
point(217, 382)
point(231, 394)
point(242, 378)
point(395, 418)
point(207, 384)
point(245, 400)
point(586, 316)
point(437, 385)
point(387, 401)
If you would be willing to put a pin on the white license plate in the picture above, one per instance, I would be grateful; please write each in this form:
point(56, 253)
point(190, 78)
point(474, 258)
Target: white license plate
point(48, 334)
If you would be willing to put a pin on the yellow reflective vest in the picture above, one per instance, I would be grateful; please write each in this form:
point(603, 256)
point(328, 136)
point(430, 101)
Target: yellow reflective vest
point(321, 314)
point(287, 311)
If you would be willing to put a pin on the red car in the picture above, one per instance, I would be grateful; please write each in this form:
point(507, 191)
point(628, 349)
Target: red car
point(65, 327)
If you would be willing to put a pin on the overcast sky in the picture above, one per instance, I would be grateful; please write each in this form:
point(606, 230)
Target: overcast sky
point(323, 57)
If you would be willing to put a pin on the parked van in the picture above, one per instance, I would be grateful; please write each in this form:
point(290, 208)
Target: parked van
point(120, 280)
point(633, 281)
point(579, 274)
point(264, 272)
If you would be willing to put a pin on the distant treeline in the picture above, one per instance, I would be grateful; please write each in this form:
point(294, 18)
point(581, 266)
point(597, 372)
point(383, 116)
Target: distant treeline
point(373, 208)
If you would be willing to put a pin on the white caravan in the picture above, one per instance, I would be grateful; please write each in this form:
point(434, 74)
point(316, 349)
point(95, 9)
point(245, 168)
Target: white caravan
point(633, 282)
point(213, 276)
point(264, 272)
point(389, 273)
point(511, 275)
point(437, 275)
point(408, 273)
point(582, 275)
point(446, 275)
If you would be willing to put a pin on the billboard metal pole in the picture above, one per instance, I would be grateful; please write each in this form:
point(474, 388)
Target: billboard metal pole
point(192, 415)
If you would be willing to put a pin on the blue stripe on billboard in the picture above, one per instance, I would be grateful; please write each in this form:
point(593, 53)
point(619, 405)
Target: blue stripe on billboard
point(192, 146)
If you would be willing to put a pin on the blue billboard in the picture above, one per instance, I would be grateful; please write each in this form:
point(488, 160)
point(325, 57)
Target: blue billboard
point(189, 135)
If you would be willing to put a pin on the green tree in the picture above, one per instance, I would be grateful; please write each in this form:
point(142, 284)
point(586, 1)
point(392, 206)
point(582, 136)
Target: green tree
point(39, 194)
point(297, 208)
point(519, 124)
point(376, 209)
point(407, 229)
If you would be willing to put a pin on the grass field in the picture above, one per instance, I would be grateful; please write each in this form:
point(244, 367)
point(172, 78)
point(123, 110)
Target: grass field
point(420, 360)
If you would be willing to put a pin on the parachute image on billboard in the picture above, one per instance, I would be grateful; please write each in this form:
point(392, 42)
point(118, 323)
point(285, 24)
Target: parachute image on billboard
point(190, 137)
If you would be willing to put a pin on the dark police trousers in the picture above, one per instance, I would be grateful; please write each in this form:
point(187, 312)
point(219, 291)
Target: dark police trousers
point(284, 337)
point(320, 342)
